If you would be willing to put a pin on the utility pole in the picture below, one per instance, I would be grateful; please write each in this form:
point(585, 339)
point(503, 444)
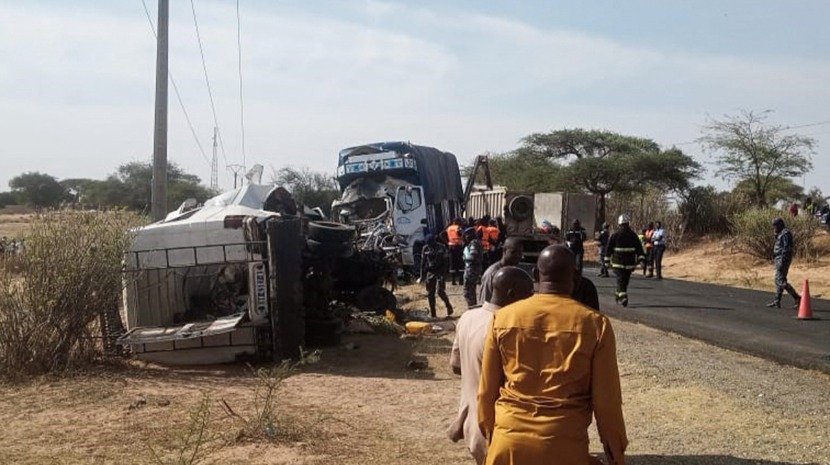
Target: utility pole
point(159, 190)
point(214, 165)
point(235, 169)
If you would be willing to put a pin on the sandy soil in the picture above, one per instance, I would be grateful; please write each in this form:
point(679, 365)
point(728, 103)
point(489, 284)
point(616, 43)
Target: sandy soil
point(685, 403)
point(717, 262)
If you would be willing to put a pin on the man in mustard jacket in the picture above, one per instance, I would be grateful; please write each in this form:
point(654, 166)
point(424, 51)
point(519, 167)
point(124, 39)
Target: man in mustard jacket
point(549, 363)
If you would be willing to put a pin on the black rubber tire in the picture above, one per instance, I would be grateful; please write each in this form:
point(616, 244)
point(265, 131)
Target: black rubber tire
point(323, 333)
point(331, 249)
point(521, 208)
point(326, 231)
point(376, 299)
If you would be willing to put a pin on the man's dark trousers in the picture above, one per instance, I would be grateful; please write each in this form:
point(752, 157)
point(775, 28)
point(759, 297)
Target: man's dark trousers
point(658, 250)
point(436, 282)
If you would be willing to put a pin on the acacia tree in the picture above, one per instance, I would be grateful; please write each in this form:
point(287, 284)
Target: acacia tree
point(308, 187)
point(749, 149)
point(522, 172)
point(38, 189)
point(778, 190)
point(602, 162)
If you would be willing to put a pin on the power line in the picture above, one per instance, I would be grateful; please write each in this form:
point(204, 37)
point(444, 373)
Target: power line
point(176, 90)
point(241, 100)
point(808, 125)
point(207, 80)
point(784, 128)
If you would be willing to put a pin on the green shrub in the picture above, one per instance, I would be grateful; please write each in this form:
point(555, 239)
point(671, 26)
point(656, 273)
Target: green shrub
point(753, 233)
point(62, 290)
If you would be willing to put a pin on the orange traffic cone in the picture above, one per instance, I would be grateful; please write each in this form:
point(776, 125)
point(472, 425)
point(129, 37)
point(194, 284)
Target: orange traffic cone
point(805, 310)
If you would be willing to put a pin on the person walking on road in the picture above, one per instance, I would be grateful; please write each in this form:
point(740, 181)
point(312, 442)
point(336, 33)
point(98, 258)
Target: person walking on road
point(602, 243)
point(624, 251)
point(783, 257)
point(434, 266)
point(473, 257)
point(510, 284)
point(658, 240)
point(575, 238)
point(549, 366)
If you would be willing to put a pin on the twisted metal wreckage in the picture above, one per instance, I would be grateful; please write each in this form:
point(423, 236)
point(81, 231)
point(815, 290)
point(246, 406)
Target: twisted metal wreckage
point(249, 274)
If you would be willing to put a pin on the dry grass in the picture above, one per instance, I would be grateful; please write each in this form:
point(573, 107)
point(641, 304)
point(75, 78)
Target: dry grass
point(14, 225)
point(717, 261)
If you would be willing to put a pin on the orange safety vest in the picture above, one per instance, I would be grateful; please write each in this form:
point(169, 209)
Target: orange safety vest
point(649, 233)
point(492, 235)
point(454, 235)
point(481, 231)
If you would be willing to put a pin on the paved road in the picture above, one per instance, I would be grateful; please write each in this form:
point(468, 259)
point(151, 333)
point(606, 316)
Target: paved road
point(724, 316)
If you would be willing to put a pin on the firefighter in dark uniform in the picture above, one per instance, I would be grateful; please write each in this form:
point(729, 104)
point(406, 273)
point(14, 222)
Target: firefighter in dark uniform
point(623, 252)
point(434, 267)
point(575, 237)
point(783, 255)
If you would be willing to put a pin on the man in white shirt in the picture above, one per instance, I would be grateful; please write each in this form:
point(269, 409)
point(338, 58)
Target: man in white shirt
point(658, 239)
point(509, 284)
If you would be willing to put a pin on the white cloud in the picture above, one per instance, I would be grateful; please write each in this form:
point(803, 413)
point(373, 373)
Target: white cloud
point(78, 83)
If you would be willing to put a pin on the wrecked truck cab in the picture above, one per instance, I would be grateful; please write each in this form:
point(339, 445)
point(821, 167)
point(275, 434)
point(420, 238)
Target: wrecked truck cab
point(393, 192)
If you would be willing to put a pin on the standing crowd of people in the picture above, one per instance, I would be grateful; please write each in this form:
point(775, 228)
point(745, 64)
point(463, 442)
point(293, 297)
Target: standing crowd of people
point(537, 366)
point(471, 251)
point(463, 252)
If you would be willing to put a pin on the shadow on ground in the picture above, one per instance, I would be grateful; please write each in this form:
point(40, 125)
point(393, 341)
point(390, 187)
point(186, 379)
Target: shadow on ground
point(699, 460)
point(383, 356)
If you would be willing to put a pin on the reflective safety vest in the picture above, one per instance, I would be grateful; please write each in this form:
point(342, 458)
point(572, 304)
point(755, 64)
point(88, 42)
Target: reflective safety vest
point(454, 235)
point(491, 235)
point(481, 232)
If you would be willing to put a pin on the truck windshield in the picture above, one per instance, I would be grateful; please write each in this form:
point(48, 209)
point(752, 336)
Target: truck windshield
point(409, 200)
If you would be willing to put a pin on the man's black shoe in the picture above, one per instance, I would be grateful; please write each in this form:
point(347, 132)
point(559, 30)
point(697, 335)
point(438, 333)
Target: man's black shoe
point(774, 304)
point(625, 301)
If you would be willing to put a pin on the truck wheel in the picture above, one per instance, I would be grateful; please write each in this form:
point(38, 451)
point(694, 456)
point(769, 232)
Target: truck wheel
point(326, 231)
point(331, 249)
point(521, 208)
point(376, 299)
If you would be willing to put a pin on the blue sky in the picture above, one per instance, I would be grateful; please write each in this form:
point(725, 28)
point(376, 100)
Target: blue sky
point(77, 81)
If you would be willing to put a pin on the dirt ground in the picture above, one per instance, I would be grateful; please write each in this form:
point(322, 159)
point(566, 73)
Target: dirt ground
point(685, 402)
point(14, 225)
point(717, 262)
